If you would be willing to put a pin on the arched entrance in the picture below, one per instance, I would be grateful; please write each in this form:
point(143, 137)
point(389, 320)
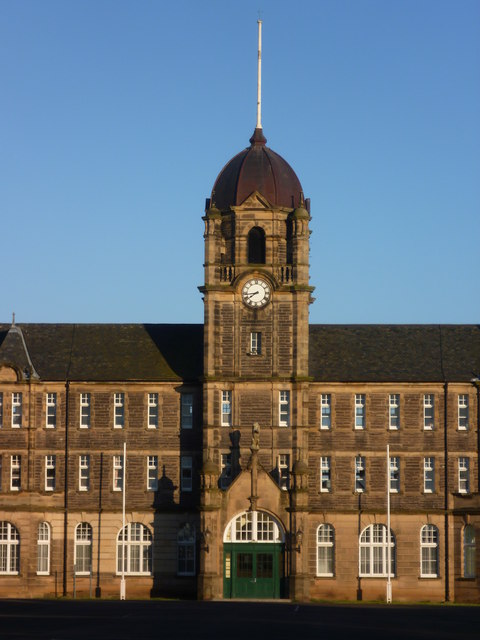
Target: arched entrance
point(253, 556)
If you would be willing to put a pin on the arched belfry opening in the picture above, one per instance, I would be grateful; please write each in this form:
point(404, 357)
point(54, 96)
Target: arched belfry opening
point(256, 246)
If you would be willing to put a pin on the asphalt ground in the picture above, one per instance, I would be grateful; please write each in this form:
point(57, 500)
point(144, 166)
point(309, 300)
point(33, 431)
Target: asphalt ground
point(115, 620)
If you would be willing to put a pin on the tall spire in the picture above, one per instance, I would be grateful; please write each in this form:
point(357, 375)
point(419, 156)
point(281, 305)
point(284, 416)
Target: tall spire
point(259, 77)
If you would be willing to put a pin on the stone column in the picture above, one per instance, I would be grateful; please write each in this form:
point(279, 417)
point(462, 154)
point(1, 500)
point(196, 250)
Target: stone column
point(299, 578)
point(209, 579)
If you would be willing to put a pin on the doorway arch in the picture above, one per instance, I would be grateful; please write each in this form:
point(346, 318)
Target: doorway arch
point(254, 556)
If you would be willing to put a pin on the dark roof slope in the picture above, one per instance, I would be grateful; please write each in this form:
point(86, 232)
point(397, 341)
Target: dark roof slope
point(174, 352)
point(111, 352)
point(394, 353)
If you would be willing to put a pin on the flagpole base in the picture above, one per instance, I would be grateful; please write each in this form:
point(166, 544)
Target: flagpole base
point(389, 592)
point(122, 589)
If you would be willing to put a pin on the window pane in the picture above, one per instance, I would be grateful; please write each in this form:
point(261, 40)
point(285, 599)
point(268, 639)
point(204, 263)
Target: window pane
point(186, 410)
point(264, 565)
point(325, 411)
point(42, 566)
point(469, 552)
point(244, 565)
point(364, 560)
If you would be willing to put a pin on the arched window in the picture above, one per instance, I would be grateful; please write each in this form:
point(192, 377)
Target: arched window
point(186, 550)
point(9, 548)
point(469, 552)
point(43, 548)
point(254, 526)
point(256, 246)
point(429, 551)
point(134, 549)
point(374, 551)
point(325, 550)
point(83, 549)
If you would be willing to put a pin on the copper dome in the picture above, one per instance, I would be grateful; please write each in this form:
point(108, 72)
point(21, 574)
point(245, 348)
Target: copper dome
point(257, 168)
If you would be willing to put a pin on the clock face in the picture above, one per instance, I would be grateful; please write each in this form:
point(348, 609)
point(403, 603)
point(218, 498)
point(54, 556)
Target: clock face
point(256, 293)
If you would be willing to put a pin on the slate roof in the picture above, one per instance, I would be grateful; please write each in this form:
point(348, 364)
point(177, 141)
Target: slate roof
point(394, 353)
point(174, 352)
point(112, 352)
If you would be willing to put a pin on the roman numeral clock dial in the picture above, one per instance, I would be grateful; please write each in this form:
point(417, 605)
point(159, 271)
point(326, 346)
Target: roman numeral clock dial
point(256, 293)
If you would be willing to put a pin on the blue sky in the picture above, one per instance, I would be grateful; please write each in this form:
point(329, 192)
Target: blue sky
point(116, 117)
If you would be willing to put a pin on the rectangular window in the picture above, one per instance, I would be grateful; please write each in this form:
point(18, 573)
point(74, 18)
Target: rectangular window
point(428, 475)
point(85, 402)
point(394, 475)
point(360, 476)
point(325, 474)
point(84, 472)
point(50, 464)
point(51, 412)
point(152, 473)
point(118, 410)
point(186, 473)
point(359, 411)
point(186, 551)
point(255, 343)
point(15, 473)
point(226, 408)
point(463, 475)
point(463, 412)
point(16, 410)
point(283, 466)
point(394, 411)
point(284, 408)
point(118, 473)
point(152, 410)
point(226, 470)
point(326, 411)
point(428, 411)
point(1, 409)
point(186, 400)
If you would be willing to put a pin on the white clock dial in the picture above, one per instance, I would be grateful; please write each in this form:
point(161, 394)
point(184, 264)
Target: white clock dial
point(256, 293)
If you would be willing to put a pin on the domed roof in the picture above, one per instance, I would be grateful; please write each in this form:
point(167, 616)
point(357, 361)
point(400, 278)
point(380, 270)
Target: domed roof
point(257, 168)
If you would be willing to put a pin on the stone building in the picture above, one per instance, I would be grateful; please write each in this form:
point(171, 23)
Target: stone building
point(256, 445)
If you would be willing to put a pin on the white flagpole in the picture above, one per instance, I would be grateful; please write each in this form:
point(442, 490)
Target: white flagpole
point(259, 77)
point(124, 533)
point(389, 549)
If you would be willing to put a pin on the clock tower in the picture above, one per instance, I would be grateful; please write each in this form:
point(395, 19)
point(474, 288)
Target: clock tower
point(256, 299)
point(256, 290)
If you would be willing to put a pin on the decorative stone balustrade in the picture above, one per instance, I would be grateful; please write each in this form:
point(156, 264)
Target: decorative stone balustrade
point(285, 273)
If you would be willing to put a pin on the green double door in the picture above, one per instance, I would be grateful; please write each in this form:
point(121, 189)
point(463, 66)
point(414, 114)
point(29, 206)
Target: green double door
point(253, 570)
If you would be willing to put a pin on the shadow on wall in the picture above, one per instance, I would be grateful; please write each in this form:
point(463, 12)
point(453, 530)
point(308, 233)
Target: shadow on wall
point(176, 551)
